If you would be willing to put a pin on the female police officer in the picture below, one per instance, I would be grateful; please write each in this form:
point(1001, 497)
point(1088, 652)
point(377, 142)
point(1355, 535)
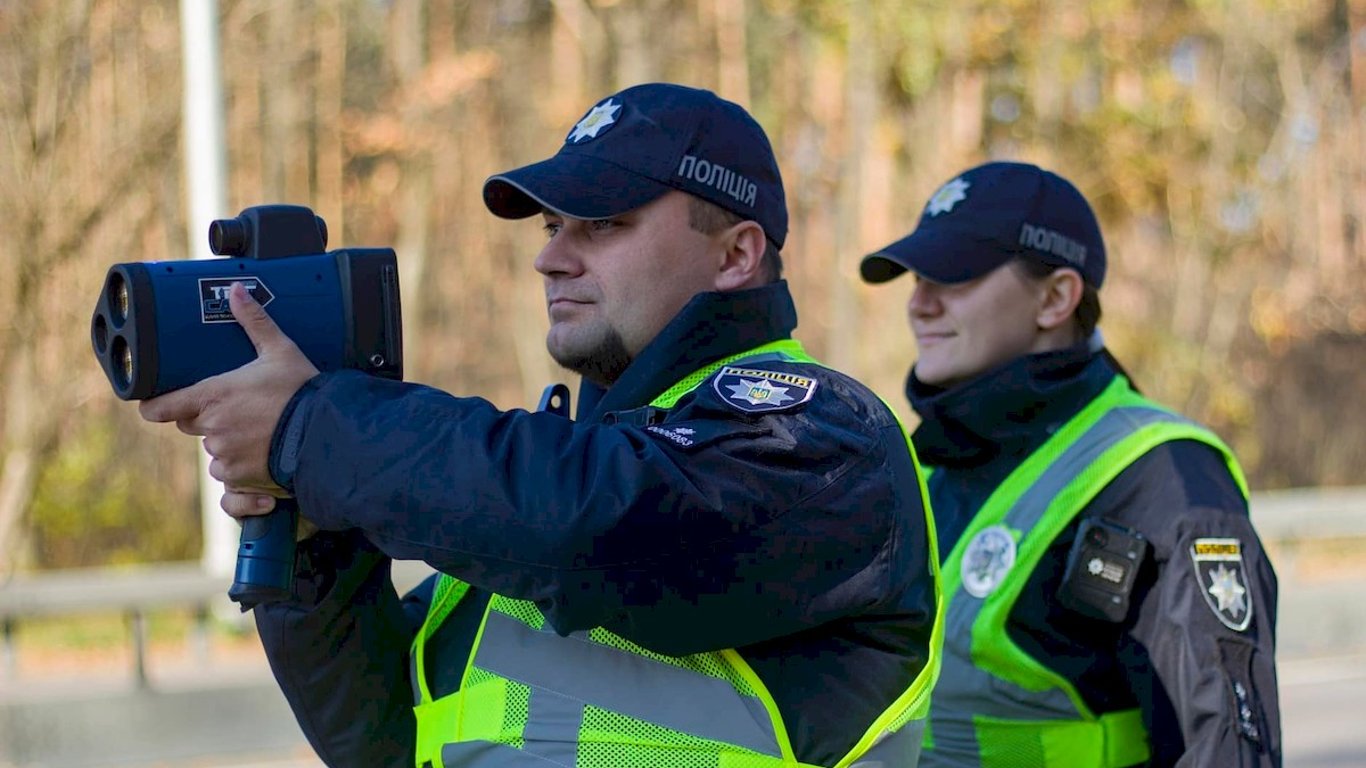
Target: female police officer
point(724, 561)
point(1108, 602)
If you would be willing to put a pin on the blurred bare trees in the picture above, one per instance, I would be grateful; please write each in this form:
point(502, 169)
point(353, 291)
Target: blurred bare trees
point(89, 176)
point(1224, 145)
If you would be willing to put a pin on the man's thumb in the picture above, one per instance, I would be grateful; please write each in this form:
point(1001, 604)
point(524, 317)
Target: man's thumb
point(260, 328)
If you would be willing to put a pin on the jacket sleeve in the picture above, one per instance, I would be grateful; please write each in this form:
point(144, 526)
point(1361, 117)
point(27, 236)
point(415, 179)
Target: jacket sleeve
point(340, 652)
point(1202, 651)
point(713, 529)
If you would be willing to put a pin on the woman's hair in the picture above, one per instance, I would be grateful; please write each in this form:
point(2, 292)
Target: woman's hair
point(1087, 313)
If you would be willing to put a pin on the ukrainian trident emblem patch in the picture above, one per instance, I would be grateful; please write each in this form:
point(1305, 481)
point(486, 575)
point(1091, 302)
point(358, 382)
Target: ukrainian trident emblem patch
point(756, 391)
point(1223, 580)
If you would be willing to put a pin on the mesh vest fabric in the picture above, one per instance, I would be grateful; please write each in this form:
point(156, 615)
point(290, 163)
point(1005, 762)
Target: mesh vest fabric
point(530, 697)
point(995, 705)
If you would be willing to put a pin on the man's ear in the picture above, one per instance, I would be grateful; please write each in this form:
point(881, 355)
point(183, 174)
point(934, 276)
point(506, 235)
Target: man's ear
point(1061, 293)
point(742, 257)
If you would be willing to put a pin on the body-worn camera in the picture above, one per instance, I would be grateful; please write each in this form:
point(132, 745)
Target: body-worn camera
point(161, 326)
point(1101, 569)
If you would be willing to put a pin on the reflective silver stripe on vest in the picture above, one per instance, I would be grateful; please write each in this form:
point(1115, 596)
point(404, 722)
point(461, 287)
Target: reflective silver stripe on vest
point(486, 754)
point(413, 676)
point(897, 750)
point(564, 673)
point(963, 689)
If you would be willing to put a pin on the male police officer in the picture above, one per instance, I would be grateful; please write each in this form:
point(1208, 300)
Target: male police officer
point(1108, 601)
point(726, 560)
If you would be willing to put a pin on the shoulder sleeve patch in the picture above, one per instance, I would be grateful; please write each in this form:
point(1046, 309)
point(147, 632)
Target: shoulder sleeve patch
point(753, 390)
point(1219, 570)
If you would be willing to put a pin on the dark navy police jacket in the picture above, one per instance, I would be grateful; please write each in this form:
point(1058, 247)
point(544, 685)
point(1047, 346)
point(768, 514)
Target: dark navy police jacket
point(794, 535)
point(1172, 656)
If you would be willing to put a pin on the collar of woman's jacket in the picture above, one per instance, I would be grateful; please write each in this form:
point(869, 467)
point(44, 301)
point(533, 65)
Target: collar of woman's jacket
point(1008, 411)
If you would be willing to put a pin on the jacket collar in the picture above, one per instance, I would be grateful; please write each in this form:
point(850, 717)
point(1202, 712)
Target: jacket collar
point(711, 326)
point(1009, 411)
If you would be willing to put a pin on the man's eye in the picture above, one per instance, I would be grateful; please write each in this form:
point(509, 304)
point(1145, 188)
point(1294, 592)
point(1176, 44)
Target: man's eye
point(550, 228)
point(602, 224)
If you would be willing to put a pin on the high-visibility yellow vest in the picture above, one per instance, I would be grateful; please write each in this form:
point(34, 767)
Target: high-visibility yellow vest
point(531, 698)
point(995, 705)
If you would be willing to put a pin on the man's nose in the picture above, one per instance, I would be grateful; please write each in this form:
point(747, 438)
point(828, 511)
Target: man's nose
point(557, 257)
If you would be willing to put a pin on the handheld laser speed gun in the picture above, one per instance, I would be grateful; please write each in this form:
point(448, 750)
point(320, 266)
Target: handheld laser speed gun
point(161, 326)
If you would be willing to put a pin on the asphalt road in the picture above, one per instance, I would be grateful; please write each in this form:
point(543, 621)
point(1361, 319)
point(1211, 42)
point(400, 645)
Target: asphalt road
point(1321, 703)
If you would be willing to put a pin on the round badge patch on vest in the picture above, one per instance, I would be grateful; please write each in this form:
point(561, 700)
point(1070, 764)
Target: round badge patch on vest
point(755, 391)
point(987, 560)
point(1223, 580)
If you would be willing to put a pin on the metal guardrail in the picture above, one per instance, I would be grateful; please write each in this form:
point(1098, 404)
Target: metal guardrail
point(130, 591)
point(1289, 518)
point(133, 591)
point(1310, 513)
point(1314, 538)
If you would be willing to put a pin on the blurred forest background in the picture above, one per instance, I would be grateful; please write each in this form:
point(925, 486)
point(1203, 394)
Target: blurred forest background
point(1223, 143)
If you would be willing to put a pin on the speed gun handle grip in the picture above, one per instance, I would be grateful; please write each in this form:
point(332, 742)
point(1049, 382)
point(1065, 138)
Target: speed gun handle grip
point(265, 557)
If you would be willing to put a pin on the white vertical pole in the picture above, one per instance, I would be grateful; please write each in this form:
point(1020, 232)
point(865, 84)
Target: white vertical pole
point(206, 179)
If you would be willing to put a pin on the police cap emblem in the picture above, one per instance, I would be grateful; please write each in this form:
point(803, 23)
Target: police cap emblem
point(947, 197)
point(598, 119)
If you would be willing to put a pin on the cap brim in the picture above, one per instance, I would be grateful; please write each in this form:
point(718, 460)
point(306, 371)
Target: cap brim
point(880, 267)
point(944, 257)
point(577, 186)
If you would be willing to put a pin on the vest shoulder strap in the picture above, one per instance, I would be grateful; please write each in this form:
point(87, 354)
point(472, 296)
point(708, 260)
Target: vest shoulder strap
point(788, 350)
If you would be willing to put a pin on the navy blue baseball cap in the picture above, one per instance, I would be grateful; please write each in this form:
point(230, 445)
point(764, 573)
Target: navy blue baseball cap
point(635, 145)
point(989, 215)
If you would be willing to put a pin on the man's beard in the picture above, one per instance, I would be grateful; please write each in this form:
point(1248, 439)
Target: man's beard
point(603, 364)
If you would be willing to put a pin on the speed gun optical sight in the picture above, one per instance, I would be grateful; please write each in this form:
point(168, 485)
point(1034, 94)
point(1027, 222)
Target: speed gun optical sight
point(161, 326)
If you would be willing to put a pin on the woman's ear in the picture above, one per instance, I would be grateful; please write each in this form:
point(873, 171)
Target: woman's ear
point(1061, 293)
point(742, 257)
